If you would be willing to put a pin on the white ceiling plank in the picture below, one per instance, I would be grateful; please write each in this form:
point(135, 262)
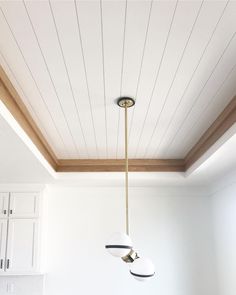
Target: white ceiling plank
point(50, 44)
point(213, 107)
point(161, 22)
point(113, 20)
point(209, 64)
point(65, 16)
point(90, 25)
point(178, 30)
point(28, 48)
point(135, 30)
point(14, 65)
point(40, 118)
point(197, 39)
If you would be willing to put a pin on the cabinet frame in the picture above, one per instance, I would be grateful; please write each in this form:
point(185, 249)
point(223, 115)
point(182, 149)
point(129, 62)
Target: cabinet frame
point(4, 204)
point(3, 244)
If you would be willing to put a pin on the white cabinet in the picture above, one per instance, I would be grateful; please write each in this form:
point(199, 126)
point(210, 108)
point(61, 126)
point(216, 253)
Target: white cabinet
point(3, 241)
point(19, 233)
point(22, 245)
point(23, 205)
point(4, 202)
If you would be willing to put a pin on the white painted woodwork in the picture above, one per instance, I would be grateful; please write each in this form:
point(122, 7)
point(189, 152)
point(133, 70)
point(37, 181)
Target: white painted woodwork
point(22, 245)
point(176, 58)
point(23, 205)
point(4, 200)
point(3, 241)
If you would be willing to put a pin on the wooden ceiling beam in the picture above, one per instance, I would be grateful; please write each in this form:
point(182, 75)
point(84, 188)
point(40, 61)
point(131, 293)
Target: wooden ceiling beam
point(135, 165)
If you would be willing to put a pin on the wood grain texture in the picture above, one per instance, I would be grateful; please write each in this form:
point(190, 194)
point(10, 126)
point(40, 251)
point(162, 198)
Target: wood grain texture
point(135, 165)
point(13, 102)
point(223, 122)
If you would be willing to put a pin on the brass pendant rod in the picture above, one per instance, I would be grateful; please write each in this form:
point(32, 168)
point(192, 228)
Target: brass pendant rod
point(126, 102)
point(126, 171)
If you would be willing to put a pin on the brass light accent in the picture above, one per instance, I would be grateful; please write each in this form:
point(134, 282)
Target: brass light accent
point(126, 102)
point(130, 257)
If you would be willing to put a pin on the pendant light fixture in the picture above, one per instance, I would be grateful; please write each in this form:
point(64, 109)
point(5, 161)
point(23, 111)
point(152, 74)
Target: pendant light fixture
point(120, 244)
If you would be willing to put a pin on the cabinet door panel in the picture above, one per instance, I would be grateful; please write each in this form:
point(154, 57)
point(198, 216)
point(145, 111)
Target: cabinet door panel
point(22, 245)
point(24, 205)
point(4, 199)
point(3, 235)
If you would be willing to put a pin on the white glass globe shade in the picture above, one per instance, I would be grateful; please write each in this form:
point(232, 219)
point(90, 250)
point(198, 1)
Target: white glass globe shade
point(119, 244)
point(142, 269)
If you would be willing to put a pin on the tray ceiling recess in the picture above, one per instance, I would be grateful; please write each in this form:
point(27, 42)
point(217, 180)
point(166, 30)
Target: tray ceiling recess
point(60, 78)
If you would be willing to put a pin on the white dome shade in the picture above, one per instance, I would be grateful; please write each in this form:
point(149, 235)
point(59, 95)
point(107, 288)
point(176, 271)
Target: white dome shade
point(142, 269)
point(119, 244)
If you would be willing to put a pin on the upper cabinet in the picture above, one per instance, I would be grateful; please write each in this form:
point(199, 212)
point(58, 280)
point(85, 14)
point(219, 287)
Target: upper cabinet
point(4, 202)
point(19, 233)
point(24, 205)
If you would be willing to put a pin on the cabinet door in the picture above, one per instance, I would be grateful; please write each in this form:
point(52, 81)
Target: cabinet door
point(24, 205)
point(3, 236)
point(21, 256)
point(4, 199)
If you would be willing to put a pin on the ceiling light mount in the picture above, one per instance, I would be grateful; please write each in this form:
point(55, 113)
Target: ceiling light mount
point(125, 101)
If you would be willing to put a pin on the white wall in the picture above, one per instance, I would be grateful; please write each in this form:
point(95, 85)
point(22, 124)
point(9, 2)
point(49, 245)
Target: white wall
point(171, 226)
point(224, 219)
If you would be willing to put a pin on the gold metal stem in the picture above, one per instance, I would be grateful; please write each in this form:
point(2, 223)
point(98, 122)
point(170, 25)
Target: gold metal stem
point(126, 102)
point(126, 171)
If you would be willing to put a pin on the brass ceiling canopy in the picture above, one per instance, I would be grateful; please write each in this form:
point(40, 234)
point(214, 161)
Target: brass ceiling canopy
point(125, 102)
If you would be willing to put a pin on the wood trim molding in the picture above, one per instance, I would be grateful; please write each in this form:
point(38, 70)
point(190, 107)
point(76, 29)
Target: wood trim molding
point(223, 122)
point(135, 165)
point(14, 103)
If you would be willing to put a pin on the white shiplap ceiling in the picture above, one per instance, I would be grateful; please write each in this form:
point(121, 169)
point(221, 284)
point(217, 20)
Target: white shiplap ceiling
point(69, 61)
